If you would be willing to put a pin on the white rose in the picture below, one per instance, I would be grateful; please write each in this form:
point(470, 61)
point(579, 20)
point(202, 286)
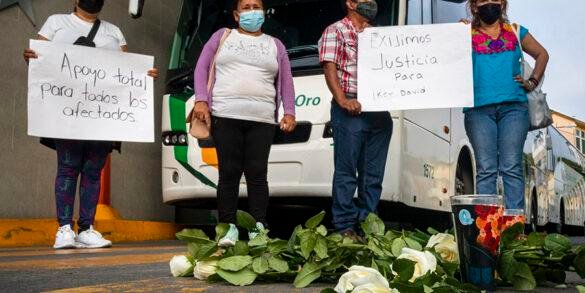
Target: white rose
point(373, 288)
point(445, 246)
point(358, 276)
point(181, 266)
point(424, 262)
point(204, 269)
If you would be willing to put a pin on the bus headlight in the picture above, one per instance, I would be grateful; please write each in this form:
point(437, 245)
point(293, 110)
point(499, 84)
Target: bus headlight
point(174, 138)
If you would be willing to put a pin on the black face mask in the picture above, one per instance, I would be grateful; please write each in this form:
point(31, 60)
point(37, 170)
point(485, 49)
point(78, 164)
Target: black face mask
point(368, 10)
point(490, 13)
point(91, 6)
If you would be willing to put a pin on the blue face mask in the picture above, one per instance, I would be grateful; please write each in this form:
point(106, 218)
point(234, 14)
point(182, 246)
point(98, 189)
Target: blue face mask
point(251, 21)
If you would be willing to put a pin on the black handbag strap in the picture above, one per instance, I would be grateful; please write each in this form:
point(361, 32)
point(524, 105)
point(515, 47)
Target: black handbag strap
point(94, 29)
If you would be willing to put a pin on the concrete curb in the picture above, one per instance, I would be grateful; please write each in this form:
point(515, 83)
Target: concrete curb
point(41, 232)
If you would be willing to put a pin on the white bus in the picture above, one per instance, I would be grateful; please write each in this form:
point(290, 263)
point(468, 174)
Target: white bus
point(430, 156)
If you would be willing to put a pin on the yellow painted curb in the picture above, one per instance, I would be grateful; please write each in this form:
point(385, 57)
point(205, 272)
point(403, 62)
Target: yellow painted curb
point(34, 232)
point(106, 212)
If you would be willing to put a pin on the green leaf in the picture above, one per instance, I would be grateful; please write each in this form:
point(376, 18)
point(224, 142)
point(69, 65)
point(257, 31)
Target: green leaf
point(203, 250)
point(278, 264)
point(241, 278)
point(322, 230)
point(507, 266)
point(406, 287)
point(245, 220)
point(314, 221)
point(193, 235)
point(260, 240)
point(557, 243)
point(432, 231)
point(411, 243)
point(397, 245)
point(391, 235)
point(308, 242)
point(241, 248)
point(579, 263)
point(580, 289)
point(321, 247)
point(235, 263)
point(373, 225)
point(536, 239)
point(221, 230)
point(510, 235)
point(404, 268)
point(309, 273)
point(293, 238)
point(277, 246)
point(260, 265)
point(523, 278)
point(375, 248)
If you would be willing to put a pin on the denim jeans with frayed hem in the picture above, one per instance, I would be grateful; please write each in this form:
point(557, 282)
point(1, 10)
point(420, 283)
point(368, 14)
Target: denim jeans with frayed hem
point(360, 151)
point(497, 134)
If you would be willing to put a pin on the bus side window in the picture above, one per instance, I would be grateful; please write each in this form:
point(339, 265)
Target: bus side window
point(415, 12)
point(448, 11)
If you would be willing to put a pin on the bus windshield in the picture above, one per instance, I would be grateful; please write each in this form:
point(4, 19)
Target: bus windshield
point(297, 23)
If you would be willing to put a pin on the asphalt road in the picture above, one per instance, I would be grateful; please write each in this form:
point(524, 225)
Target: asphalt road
point(137, 267)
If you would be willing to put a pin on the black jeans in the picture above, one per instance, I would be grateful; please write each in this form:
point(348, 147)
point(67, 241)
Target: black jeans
point(242, 147)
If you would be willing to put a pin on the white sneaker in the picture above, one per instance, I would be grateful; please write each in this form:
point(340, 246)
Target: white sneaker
point(65, 238)
point(91, 238)
point(259, 229)
point(230, 238)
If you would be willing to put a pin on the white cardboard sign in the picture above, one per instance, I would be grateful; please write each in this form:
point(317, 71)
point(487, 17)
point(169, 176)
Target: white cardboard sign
point(415, 67)
point(77, 92)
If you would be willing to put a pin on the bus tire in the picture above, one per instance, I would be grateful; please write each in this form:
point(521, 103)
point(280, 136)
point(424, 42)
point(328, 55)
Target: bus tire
point(533, 227)
point(464, 174)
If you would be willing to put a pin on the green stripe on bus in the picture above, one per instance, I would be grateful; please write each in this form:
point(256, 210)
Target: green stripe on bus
point(177, 116)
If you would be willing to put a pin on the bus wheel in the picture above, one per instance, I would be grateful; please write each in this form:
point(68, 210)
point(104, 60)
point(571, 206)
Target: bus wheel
point(561, 227)
point(464, 174)
point(533, 227)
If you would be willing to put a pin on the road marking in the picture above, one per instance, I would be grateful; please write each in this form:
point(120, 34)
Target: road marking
point(50, 251)
point(87, 262)
point(188, 285)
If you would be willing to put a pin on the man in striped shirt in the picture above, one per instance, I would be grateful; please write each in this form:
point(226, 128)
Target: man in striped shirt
point(361, 139)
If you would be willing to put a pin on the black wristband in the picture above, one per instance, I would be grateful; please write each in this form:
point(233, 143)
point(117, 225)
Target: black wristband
point(536, 81)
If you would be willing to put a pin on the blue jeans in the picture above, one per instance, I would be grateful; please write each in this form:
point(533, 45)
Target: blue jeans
point(360, 151)
point(497, 134)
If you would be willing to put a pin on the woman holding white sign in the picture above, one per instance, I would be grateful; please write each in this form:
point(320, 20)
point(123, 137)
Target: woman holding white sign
point(75, 157)
point(498, 125)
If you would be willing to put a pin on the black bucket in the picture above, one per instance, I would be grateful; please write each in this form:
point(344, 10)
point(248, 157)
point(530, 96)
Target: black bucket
point(477, 220)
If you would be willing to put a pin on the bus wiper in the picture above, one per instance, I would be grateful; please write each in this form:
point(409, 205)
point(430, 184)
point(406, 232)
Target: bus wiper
point(303, 51)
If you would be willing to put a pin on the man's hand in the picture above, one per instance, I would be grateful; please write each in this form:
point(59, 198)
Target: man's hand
point(352, 106)
point(288, 123)
point(153, 73)
point(29, 54)
point(201, 112)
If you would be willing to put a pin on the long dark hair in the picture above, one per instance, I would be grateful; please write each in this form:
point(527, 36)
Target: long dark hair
point(472, 6)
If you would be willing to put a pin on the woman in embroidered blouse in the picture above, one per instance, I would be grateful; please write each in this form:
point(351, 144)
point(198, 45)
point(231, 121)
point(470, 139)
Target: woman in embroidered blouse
point(252, 78)
point(498, 124)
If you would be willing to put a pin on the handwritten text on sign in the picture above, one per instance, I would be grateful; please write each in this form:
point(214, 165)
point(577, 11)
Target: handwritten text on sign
point(77, 92)
point(415, 67)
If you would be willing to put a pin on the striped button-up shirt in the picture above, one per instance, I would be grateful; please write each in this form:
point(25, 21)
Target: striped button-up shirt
point(338, 44)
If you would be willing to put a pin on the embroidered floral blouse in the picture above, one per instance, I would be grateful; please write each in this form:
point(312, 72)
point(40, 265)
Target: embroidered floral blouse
point(495, 63)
